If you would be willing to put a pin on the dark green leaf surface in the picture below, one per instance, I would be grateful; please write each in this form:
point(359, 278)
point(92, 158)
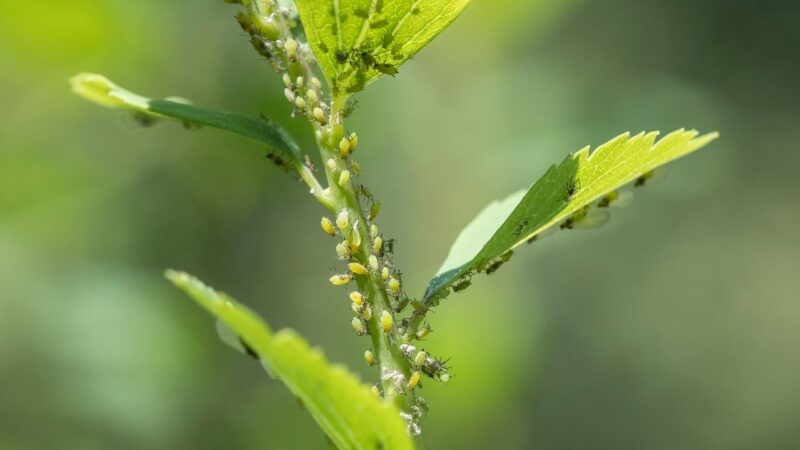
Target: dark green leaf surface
point(346, 409)
point(356, 41)
point(564, 190)
point(100, 90)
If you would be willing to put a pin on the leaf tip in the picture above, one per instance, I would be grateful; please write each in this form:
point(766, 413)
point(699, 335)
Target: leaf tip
point(95, 88)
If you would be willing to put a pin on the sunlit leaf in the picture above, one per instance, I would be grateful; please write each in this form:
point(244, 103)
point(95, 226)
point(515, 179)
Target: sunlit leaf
point(356, 41)
point(98, 89)
point(564, 193)
point(346, 409)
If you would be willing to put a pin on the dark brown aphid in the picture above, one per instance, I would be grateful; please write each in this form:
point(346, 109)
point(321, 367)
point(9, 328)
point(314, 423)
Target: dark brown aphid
point(643, 179)
point(249, 350)
point(521, 227)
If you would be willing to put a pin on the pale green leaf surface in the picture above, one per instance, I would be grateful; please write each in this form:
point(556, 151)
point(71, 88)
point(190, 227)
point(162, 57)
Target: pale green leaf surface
point(504, 225)
point(345, 408)
point(356, 41)
point(98, 89)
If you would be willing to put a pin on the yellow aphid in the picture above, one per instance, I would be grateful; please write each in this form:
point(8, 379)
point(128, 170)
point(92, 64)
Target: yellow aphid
point(357, 298)
point(378, 244)
point(414, 380)
point(300, 81)
point(358, 326)
point(366, 312)
point(423, 332)
point(385, 273)
point(344, 147)
point(394, 286)
point(344, 177)
point(358, 309)
point(358, 268)
point(300, 102)
point(291, 47)
point(327, 225)
point(287, 80)
point(373, 262)
point(386, 322)
point(311, 94)
point(355, 239)
point(319, 115)
point(373, 231)
point(369, 358)
point(420, 358)
point(343, 220)
point(315, 83)
point(341, 280)
point(331, 164)
point(353, 141)
point(342, 250)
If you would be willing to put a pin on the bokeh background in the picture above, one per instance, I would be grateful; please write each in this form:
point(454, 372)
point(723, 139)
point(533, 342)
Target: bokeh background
point(675, 326)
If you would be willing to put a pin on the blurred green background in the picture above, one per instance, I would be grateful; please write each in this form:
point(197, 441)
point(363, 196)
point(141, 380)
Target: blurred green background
point(675, 326)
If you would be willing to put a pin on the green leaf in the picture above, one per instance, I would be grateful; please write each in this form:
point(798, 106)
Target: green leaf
point(356, 41)
point(346, 409)
point(564, 193)
point(98, 89)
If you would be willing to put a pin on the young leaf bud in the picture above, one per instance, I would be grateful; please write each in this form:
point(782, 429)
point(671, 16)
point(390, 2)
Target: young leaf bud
point(386, 322)
point(287, 80)
point(357, 298)
point(373, 262)
point(394, 286)
point(385, 273)
point(344, 177)
point(373, 231)
point(344, 148)
point(420, 358)
point(414, 380)
point(341, 280)
point(343, 220)
point(378, 244)
point(358, 326)
point(300, 81)
point(289, 94)
point(319, 115)
point(369, 358)
point(327, 225)
point(358, 269)
point(423, 332)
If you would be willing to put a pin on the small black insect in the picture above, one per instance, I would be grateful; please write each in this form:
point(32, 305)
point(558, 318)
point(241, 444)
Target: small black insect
point(520, 227)
point(249, 350)
point(573, 186)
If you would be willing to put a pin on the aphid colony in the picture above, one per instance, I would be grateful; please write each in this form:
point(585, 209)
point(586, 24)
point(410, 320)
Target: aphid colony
point(367, 271)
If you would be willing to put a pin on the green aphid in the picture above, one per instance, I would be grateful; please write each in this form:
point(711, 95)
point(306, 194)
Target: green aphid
point(461, 285)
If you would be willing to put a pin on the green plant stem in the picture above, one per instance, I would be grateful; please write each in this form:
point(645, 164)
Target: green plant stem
point(385, 345)
point(335, 198)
